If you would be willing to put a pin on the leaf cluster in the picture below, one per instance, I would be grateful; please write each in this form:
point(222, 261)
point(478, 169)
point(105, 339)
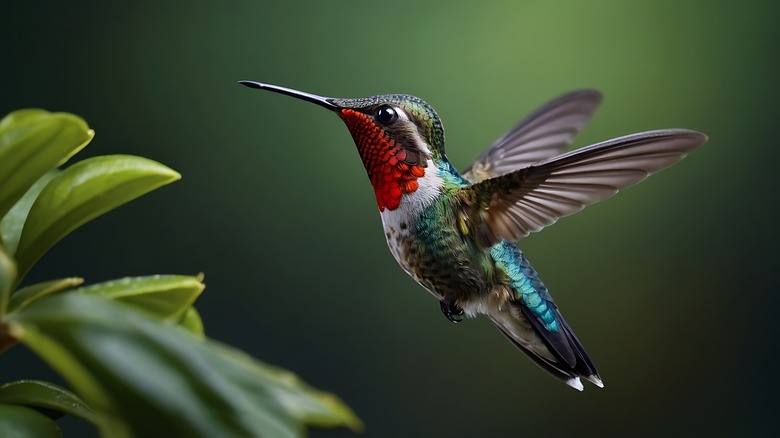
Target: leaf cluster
point(133, 350)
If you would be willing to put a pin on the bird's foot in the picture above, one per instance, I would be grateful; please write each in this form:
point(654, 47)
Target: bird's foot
point(451, 311)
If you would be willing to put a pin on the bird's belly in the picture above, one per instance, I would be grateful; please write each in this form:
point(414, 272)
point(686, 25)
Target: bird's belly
point(405, 252)
point(446, 270)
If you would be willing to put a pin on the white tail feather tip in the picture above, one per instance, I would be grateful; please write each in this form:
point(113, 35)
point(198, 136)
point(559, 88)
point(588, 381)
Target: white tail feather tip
point(595, 380)
point(575, 383)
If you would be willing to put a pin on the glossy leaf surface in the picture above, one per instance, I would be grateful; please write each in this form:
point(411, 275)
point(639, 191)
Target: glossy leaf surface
point(191, 321)
point(7, 278)
point(12, 223)
point(23, 422)
point(168, 296)
point(46, 395)
point(83, 192)
point(147, 378)
point(33, 142)
point(29, 294)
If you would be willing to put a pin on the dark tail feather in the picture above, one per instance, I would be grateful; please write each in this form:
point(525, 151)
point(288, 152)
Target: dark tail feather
point(559, 353)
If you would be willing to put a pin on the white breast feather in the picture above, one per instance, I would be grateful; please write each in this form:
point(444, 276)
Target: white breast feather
point(412, 204)
point(408, 211)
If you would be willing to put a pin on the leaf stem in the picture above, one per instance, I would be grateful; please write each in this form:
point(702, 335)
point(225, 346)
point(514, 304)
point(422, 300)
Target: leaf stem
point(6, 339)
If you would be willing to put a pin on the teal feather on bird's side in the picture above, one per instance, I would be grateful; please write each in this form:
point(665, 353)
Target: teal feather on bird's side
point(523, 278)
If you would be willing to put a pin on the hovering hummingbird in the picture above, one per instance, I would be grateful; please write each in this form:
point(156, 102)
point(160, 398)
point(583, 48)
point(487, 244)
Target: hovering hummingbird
point(456, 234)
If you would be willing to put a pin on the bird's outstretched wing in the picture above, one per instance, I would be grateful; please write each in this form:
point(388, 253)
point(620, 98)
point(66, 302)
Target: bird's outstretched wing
point(511, 206)
point(543, 134)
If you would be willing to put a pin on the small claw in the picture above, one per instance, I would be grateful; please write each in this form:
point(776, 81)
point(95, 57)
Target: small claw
point(451, 311)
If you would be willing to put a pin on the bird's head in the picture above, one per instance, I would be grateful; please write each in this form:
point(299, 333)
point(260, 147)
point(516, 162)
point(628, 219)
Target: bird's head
point(399, 137)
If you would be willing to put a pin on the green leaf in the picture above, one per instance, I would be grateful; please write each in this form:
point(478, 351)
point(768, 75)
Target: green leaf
point(11, 225)
point(168, 296)
point(83, 192)
point(45, 395)
point(33, 142)
point(21, 422)
point(29, 294)
point(147, 378)
point(7, 278)
point(192, 322)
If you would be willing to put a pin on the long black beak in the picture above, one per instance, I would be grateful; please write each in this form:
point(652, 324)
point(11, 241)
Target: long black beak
point(313, 98)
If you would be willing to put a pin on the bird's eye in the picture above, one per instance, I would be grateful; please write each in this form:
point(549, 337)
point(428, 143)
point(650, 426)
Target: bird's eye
point(386, 115)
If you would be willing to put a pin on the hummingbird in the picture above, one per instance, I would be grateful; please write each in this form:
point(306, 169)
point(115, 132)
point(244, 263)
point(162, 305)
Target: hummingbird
point(456, 233)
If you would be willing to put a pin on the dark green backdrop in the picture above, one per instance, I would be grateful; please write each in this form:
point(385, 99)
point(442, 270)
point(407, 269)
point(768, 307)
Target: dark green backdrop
point(667, 285)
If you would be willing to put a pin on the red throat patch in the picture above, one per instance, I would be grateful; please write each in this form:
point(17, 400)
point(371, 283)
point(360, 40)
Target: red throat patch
point(383, 158)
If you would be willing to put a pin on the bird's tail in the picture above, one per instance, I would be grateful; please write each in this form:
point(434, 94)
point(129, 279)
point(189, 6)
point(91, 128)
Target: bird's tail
point(557, 352)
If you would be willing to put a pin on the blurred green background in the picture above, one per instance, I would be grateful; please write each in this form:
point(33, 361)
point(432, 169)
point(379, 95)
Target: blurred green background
point(667, 284)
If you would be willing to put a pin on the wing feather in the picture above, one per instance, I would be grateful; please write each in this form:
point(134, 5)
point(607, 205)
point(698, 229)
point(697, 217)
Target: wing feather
point(543, 134)
point(514, 205)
